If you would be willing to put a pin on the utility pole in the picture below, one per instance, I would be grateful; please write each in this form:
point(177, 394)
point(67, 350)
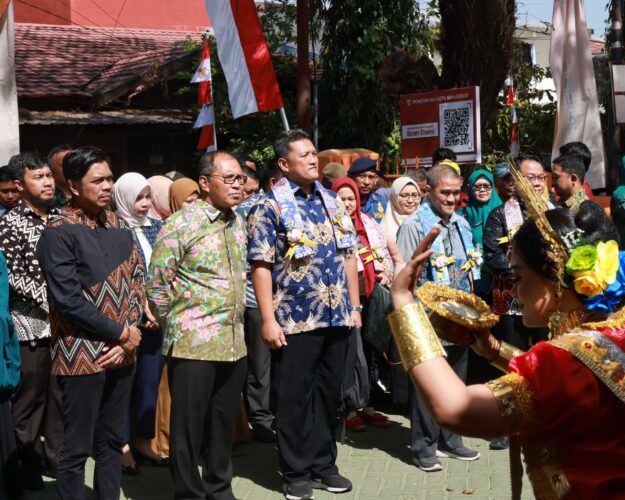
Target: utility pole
point(613, 166)
point(302, 95)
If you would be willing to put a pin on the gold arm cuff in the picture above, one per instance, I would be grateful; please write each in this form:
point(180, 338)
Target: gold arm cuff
point(414, 336)
point(514, 400)
point(505, 355)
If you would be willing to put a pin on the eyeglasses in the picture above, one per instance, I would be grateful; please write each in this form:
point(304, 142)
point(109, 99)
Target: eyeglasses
point(482, 187)
point(229, 179)
point(535, 178)
point(406, 196)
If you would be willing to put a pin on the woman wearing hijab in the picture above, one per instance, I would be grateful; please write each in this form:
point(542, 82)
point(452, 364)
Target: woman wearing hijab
point(404, 200)
point(374, 264)
point(132, 196)
point(182, 193)
point(482, 200)
point(159, 185)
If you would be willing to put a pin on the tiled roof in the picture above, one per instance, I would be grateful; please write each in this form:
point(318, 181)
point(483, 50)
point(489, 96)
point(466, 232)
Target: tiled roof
point(125, 117)
point(72, 61)
point(597, 46)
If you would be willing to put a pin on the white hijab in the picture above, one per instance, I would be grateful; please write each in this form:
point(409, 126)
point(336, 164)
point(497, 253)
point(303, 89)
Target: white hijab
point(392, 218)
point(125, 192)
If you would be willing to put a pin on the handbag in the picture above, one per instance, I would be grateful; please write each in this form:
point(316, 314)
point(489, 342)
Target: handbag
point(376, 330)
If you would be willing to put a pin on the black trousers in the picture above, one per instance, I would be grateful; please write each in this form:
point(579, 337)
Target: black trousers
point(142, 407)
point(258, 379)
point(9, 465)
point(53, 425)
point(425, 434)
point(94, 413)
point(306, 378)
point(204, 405)
point(29, 405)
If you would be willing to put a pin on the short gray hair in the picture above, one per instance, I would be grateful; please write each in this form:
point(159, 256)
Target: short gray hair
point(441, 171)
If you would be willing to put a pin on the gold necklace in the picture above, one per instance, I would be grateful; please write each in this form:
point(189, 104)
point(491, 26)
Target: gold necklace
point(561, 323)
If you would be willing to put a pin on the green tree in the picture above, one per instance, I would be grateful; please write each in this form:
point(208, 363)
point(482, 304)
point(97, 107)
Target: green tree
point(355, 111)
point(535, 108)
point(252, 134)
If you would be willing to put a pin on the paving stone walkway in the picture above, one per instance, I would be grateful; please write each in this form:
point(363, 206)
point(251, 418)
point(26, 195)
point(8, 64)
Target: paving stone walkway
point(378, 462)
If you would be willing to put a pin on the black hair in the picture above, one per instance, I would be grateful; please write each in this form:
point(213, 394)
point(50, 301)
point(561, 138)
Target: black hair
point(591, 219)
point(243, 158)
point(577, 149)
point(251, 173)
point(529, 157)
point(268, 171)
point(27, 160)
point(6, 174)
point(572, 164)
point(443, 154)
point(57, 149)
point(78, 161)
point(207, 163)
point(282, 144)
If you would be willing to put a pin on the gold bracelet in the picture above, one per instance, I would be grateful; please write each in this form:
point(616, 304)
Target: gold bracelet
point(504, 355)
point(414, 336)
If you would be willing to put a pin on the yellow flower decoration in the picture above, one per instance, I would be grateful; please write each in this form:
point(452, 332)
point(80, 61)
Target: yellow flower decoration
point(607, 261)
point(589, 285)
point(592, 278)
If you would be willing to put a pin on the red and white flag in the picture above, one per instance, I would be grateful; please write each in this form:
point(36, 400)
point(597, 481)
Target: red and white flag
point(9, 123)
point(244, 56)
point(514, 131)
point(573, 74)
point(206, 117)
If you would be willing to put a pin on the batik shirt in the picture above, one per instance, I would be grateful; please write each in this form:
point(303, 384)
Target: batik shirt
point(575, 201)
point(243, 209)
point(196, 283)
point(410, 234)
point(20, 231)
point(95, 286)
point(308, 293)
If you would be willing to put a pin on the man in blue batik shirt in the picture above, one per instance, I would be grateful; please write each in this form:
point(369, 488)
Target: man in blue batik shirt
point(373, 201)
point(452, 250)
point(306, 284)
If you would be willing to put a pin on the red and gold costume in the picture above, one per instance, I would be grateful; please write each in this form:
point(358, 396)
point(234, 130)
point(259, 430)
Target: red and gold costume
point(565, 400)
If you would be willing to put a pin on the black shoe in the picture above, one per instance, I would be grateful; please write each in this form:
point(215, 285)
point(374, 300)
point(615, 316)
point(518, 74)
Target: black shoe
point(51, 473)
point(129, 470)
point(300, 490)
point(334, 484)
point(156, 462)
point(33, 482)
point(263, 435)
point(499, 443)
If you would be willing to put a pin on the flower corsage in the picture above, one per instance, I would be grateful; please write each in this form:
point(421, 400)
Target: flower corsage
point(598, 274)
point(296, 237)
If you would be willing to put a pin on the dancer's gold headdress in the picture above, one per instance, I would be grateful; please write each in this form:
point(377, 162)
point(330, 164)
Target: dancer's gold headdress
point(557, 249)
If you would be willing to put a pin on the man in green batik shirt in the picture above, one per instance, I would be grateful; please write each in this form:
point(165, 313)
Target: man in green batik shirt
point(196, 287)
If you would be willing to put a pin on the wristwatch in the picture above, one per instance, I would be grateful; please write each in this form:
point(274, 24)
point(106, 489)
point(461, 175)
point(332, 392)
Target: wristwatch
point(357, 308)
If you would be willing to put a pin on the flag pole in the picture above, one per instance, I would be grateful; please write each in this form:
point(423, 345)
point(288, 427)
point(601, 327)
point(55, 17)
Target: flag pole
point(285, 121)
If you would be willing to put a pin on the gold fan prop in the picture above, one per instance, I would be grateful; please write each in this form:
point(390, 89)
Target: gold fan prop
point(454, 313)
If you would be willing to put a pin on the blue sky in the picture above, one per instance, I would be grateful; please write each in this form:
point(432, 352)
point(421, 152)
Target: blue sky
point(542, 10)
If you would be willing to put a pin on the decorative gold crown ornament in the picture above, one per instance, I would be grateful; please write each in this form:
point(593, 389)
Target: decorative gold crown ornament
point(536, 206)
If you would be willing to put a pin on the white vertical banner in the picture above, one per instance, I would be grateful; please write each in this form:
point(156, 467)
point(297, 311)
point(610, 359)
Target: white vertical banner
point(9, 120)
point(573, 74)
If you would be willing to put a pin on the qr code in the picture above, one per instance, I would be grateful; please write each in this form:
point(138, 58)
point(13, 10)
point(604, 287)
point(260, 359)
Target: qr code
point(457, 126)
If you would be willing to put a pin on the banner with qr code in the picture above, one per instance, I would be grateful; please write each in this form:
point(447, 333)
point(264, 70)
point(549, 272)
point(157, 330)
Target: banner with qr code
point(441, 119)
